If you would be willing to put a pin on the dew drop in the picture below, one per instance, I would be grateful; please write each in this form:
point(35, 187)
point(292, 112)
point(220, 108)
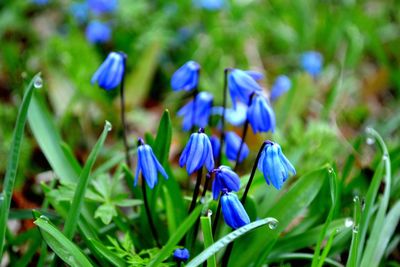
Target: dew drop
point(1, 197)
point(337, 230)
point(385, 157)
point(362, 204)
point(272, 224)
point(348, 222)
point(38, 83)
point(330, 170)
point(356, 199)
point(355, 229)
point(44, 218)
point(209, 213)
point(370, 141)
point(202, 200)
point(108, 126)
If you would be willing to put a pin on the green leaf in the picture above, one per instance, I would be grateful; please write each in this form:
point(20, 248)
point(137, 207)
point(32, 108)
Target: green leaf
point(105, 212)
point(75, 209)
point(373, 245)
point(220, 244)
point(167, 250)
point(41, 124)
point(60, 244)
point(107, 253)
point(208, 238)
point(291, 256)
point(285, 211)
point(353, 252)
point(334, 197)
point(13, 157)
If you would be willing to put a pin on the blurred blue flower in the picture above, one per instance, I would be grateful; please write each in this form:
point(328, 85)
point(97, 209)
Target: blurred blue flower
point(232, 147)
point(181, 254)
point(225, 178)
point(215, 144)
point(256, 75)
point(98, 32)
point(236, 117)
point(40, 2)
point(311, 62)
point(209, 4)
point(241, 86)
point(281, 85)
point(80, 11)
point(148, 165)
point(274, 165)
point(109, 74)
point(260, 115)
point(197, 153)
point(102, 6)
point(186, 77)
point(233, 211)
point(201, 105)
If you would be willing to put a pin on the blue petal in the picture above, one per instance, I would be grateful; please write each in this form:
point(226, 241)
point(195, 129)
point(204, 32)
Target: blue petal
point(195, 154)
point(233, 211)
point(148, 167)
point(184, 155)
point(160, 168)
point(210, 157)
point(216, 188)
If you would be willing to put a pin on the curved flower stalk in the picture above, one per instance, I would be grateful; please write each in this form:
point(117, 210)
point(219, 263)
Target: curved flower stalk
point(260, 115)
point(186, 78)
point(241, 86)
point(197, 153)
point(197, 112)
point(233, 211)
point(281, 85)
point(148, 165)
point(225, 178)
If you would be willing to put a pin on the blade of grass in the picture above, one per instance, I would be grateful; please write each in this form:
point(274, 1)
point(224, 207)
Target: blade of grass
point(291, 256)
point(166, 251)
point(220, 244)
point(334, 196)
point(13, 158)
point(208, 238)
point(327, 249)
point(60, 244)
point(110, 256)
point(352, 260)
point(379, 223)
point(75, 209)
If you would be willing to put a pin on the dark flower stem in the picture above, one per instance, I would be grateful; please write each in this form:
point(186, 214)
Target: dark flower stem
point(123, 117)
point(228, 251)
point(244, 133)
point(196, 190)
point(148, 213)
point(216, 219)
point(224, 97)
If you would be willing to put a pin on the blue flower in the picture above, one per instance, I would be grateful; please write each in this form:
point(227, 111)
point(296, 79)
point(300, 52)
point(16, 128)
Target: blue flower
point(236, 117)
point(197, 153)
point(274, 165)
point(40, 2)
point(209, 4)
point(233, 211)
point(256, 75)
point(109, 74)
point(282, 85)
point(232, 147)
point(215, 144)
point(311, 62)
point(260, 115)
point(241, 86)
point(181, 254)
point(148, 165)
point(80, 11)
point(102, 6)
point(201, 106)
point(98, 32)
point(225, 178)
point(186, 77)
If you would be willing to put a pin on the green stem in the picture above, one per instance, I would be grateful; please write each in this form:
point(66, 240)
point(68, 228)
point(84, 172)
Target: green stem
point(148, 213)
point(123, 116)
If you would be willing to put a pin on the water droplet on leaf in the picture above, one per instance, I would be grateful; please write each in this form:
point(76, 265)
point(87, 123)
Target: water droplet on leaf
point(272, 224)
point(355, 229)
point(356, 199)
point(38, 83)
point(370, 141)
point(348, 222)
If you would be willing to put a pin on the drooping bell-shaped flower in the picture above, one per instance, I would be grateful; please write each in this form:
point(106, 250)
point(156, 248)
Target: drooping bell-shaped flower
point(215, 144)
point(233, 211)
point(256, 75)
point(109, 75)
point(79, 11)
point(236, 117)
point(261, 115)
point(225, 178)
point(197, 153)
point(181, 254)
point(241, 86)
point(148, 165)
point(274, 165)
point(233, 142)
point(281, 85)
point(98, 32)
point(209, 4)
point(186, 77)
point(102, 6)
point(311, 62)
point(197, 112)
